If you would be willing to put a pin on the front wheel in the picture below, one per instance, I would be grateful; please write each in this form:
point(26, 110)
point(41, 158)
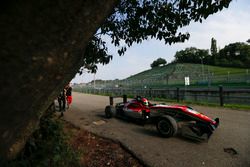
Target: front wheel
point(109, 111)
point(167, 126)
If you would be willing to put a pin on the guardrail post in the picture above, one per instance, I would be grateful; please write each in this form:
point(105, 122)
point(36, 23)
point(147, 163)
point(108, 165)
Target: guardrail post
point(124, 98)
point(178, 94)
point(221, 95)
point(111, 100)
point(150, 93)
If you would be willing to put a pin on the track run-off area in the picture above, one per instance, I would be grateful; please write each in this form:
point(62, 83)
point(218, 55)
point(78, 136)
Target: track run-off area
point(228, 146)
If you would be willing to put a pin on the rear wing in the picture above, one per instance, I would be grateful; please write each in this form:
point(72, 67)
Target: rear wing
point(111, 99)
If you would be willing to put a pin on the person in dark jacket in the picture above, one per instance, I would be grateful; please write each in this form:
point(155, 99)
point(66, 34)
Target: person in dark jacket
point(62, 101)
point(68, 94)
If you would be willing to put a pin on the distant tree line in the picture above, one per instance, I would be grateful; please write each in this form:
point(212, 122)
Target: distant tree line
point(232, 55)
point(160, 61)
point(191, 55)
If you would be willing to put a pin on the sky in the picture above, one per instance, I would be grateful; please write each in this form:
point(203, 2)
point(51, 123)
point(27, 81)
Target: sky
point(227, 26)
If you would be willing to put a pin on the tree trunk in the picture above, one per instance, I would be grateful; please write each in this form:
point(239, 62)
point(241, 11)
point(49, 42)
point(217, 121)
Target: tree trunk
point(42, 47)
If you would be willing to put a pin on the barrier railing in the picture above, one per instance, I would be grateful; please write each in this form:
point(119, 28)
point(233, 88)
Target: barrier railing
point(219, 96)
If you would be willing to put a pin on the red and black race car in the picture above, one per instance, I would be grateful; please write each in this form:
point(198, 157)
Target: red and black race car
point(167, 118)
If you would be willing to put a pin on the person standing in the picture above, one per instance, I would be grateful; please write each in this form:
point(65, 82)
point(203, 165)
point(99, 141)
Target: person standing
point(62, 101)
point(68, 95)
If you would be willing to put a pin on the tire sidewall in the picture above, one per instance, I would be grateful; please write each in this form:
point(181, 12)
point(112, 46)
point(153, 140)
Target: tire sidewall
point(109, 111)
point(167, 126)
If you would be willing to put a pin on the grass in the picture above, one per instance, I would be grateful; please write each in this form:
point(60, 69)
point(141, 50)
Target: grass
point(172, 75)
point(186, 69)
point(155, 72)
point(224, 70)
point(199, 76)
point(231, 106)
point(237, 106)
point(47, 147)
point(59, 143)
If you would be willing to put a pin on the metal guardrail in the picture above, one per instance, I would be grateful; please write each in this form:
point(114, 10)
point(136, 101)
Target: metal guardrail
point(219, 95)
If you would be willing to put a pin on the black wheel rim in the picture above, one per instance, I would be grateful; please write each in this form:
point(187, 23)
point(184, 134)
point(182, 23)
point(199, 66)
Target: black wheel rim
point(164, 127)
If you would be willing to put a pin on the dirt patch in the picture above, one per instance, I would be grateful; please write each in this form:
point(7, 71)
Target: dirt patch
point(100, 122)
point(96, 151)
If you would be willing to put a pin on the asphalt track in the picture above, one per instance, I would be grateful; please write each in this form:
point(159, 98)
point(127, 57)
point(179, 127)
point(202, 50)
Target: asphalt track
point(229, 146)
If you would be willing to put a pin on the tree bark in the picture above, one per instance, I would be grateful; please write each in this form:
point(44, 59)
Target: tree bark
point(42, 47)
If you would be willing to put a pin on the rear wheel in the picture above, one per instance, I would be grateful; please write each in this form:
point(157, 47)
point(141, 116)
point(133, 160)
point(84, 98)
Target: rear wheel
point(167, 126)
point(109, 111)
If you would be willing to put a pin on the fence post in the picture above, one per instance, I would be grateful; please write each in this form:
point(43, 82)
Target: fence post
point(178, 94)
point(150, 93)
point(221, 95)
point(111, 100)
point(124, 98)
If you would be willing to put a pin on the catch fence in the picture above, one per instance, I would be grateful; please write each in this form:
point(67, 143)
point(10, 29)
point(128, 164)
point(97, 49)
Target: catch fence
point(218, 95)
point(202, 79)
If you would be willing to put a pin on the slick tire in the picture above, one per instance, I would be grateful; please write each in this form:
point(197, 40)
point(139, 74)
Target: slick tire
point(109, 111)
point(167, 126)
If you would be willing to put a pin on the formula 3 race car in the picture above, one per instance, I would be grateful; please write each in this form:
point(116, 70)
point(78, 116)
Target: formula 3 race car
point(167, 118)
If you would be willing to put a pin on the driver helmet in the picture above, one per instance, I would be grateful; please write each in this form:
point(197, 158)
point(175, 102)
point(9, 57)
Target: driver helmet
point(145, 101)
